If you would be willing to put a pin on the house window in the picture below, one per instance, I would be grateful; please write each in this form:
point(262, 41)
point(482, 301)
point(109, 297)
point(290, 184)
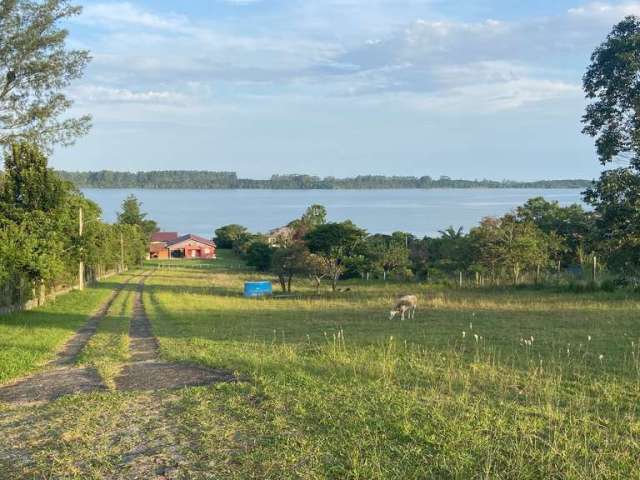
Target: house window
point(206, 251)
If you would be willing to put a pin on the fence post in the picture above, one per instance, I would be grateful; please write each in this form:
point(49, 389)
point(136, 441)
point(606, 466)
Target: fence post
point(460, 278)
point(81, 264)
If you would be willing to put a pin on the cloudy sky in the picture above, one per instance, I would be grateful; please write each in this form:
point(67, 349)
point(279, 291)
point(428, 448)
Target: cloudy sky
point(470, 89)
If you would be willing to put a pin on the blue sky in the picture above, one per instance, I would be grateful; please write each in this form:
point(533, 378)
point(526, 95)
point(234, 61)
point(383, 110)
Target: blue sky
point(470, 89)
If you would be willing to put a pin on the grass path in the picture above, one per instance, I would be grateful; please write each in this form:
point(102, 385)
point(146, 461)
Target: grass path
point(29, 340)
point(108, 348)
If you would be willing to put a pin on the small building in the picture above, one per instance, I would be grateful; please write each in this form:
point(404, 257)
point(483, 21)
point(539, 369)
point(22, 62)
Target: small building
point(168, 245)
point(191, 246)
point(280, 237)
point(158, 244)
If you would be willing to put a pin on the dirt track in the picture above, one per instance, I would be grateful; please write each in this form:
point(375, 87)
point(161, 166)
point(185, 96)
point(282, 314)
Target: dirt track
point(145, 371)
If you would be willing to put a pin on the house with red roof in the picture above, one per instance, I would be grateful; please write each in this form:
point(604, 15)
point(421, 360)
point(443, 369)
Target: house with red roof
point(168, 245)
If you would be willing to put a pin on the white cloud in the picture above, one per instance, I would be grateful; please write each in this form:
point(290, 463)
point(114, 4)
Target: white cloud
point(124, 13)
point(93, 94)
point(606, 11)
point(493, 96)
point(490, 65)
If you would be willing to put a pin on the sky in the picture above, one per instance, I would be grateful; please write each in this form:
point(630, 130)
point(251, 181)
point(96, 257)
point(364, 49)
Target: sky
point(468, 89)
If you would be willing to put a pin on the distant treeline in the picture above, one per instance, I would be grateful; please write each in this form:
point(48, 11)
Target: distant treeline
point(229, 180)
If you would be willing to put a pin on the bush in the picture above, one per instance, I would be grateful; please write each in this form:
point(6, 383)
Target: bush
point(608, 285)
point(259, 255)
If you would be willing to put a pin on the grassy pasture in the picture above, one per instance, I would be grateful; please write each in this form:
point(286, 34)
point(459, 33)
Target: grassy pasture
point(331, 389)
point(549, 388)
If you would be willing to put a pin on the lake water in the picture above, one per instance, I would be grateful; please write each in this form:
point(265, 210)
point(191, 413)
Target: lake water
point(421, 212)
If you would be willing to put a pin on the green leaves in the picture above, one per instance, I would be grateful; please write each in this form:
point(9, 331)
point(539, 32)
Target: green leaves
point(131, 214)
point(613, 119)
point(35, 67)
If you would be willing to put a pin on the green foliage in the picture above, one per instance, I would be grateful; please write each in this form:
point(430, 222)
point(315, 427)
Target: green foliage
point(28, 184)
point(612, 81)
point(336, 244)
point(131, 214)
point(510, 245)
point(40, 245)
point(289, 261)
point(259, 255)
point(385, 253)
point(315, 216)
point(35, 69)
point(230, 180)
point(229, 234)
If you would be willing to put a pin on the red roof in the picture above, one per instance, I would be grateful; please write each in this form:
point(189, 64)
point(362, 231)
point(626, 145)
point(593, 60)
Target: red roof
point(164, 236)
point(195, 238)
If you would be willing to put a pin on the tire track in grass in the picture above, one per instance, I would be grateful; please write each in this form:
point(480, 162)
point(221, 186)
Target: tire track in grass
point(108, 349)
point(147, 372)
point(61, 377)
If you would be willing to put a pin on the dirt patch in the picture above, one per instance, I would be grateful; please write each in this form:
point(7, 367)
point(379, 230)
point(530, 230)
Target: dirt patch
point(73, 347)
point(51, 385)
point(143, 345)
point(160, 375)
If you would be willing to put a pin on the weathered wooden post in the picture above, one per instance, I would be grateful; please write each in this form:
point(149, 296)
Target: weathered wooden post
point(81, 263)
point(121, 253)
point(595, 268)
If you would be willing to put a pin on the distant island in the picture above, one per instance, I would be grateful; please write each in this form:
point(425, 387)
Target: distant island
point(205, 180)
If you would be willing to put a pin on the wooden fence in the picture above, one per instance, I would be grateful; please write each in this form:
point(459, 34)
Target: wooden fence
point(17, 295)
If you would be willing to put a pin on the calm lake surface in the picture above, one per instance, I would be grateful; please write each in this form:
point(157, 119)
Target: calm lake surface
point(421, 212)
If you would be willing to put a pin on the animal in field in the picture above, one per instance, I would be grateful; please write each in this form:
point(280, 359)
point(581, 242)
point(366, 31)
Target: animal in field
point(407, 303)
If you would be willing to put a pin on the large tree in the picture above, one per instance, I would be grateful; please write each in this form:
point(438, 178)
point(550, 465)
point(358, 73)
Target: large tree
point(131, 214)
point(229, 234)
point(28, 184)
point(612, 83)
point(335, 244)
point(35, 68)
point(288, 262)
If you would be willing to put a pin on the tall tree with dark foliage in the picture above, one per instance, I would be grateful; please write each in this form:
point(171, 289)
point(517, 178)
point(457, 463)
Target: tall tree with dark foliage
point(612, 83)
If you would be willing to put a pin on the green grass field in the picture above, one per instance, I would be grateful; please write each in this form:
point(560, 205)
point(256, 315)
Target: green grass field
point(482, 384)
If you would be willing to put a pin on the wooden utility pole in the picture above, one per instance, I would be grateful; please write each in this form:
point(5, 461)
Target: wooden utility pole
point(81, 265)
point(121, 253)
point(595, 268)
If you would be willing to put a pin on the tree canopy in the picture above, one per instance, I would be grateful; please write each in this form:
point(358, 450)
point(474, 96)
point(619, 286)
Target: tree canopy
point(229, 180)
point(131, 214)
point(612, 83)
point(36, 66)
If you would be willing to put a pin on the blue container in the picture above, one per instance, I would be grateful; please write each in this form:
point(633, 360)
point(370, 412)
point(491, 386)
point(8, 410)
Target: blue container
point(257, 289)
